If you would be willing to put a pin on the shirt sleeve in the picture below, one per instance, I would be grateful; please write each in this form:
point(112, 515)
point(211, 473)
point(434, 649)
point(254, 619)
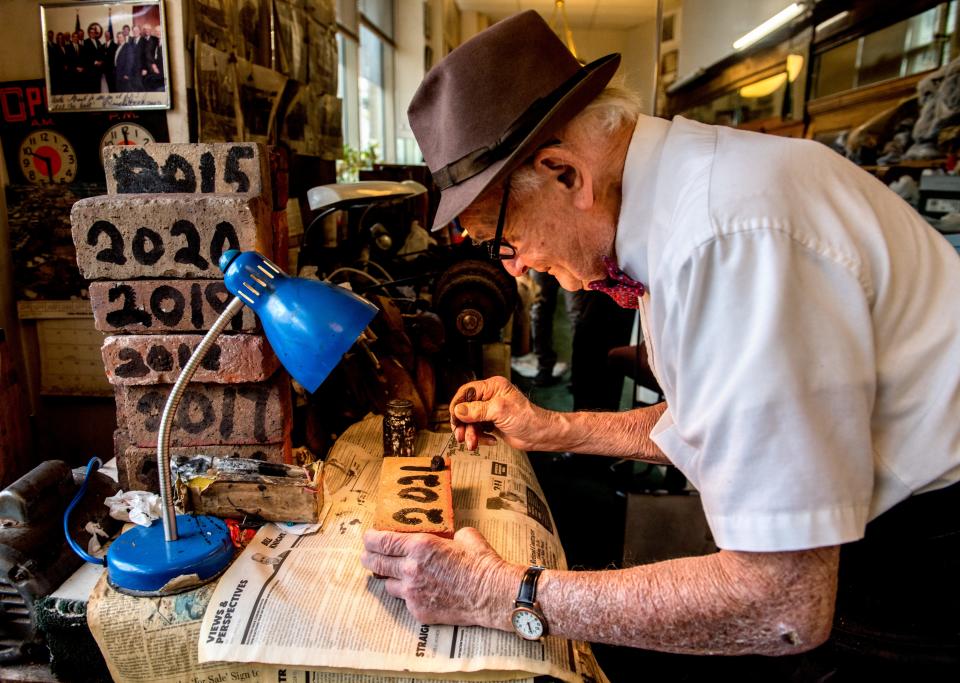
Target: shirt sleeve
point(767, 349)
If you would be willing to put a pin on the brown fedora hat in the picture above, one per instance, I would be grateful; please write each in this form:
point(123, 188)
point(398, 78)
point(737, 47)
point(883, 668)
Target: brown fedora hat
point(490, 103)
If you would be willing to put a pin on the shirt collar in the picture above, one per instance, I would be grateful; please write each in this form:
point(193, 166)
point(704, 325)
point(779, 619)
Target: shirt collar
point(638, 195)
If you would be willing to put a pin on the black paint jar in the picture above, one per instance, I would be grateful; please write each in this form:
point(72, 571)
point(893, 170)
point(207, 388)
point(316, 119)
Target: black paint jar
point(399, 430)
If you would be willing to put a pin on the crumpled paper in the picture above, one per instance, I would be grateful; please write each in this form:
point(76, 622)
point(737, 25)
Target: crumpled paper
point(139, 507)
point(95, 530)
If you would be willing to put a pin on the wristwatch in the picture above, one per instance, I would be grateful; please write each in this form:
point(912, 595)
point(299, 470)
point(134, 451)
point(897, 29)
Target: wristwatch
point(527, 619)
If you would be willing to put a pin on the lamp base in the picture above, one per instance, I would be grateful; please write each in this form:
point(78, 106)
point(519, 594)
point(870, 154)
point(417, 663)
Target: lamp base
point(142, 562)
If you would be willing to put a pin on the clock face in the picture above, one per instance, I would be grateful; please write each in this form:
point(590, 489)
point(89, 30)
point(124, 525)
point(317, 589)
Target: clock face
point(527, 624)
point(125, 134)
point(46, 157)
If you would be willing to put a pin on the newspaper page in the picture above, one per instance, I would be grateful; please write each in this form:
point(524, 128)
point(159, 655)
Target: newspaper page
point(154, 640)
point(300, 597)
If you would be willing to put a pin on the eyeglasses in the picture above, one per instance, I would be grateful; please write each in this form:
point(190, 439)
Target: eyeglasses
point(498, 249)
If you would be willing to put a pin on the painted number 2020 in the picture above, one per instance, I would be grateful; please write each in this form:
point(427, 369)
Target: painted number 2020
point(147, 246)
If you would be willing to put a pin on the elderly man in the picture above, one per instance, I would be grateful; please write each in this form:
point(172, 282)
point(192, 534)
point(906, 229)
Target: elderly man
point(802, 321)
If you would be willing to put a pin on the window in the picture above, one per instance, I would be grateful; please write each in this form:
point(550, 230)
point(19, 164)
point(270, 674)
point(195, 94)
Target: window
point(375, 86)
point(378, 13)
point(366, 57)
point(347, 89)
point(908, 47)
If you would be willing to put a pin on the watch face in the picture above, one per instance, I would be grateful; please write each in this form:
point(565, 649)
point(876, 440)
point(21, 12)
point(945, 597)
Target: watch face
point(46, 157)
point(125, 134)
point(527, 623)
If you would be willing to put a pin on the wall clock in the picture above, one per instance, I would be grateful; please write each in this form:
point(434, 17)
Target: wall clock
point(125, 134)
point(47, 157)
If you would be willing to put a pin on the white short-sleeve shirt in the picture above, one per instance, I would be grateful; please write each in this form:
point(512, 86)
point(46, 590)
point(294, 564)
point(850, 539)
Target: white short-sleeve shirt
point(804, 324)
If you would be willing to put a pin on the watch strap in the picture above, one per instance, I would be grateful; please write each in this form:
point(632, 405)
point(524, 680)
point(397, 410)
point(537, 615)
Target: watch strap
point(527, 595)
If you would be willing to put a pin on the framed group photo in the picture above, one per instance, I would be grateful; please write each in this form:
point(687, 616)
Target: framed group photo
point(105, 56)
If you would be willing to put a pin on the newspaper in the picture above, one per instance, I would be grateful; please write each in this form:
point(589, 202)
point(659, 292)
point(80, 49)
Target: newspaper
point(298, 596)
point(154, 640)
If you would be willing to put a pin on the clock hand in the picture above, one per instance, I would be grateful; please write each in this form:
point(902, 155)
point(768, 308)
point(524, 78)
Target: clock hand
point(43, 158)
point(46, 160)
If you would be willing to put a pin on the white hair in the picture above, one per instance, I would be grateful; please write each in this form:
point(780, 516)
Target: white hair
point(615, 107)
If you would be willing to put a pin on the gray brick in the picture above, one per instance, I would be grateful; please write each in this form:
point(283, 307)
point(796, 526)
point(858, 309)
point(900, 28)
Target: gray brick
point(156, 235)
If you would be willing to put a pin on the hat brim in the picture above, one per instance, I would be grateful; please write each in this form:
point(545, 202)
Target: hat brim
point(456, 198)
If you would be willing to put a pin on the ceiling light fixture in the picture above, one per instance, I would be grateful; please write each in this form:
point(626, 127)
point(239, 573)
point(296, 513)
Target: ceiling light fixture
point(764, 87)
point(781, 18)
point(767, 86)
point(831, 21)
point(558, 22)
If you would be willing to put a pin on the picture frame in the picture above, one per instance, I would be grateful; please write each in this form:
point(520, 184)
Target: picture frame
point(670, 31)
point(105, 56)
point(668, 66)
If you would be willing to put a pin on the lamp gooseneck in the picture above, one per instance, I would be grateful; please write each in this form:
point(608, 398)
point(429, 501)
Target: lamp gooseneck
point(310, 325)
point(168, 512)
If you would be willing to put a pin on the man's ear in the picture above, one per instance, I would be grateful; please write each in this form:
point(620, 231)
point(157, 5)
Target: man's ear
point(570, 170)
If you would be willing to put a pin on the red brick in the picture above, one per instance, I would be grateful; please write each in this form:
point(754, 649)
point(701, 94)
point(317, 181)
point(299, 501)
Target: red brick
point(163, 235)
point(414, 498)
point(159, 168)
point(209, 414)
point(159, 358)
point(155, 306)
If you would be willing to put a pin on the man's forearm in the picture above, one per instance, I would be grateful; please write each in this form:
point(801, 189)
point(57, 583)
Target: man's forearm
point(725, 603)
point(621, 435)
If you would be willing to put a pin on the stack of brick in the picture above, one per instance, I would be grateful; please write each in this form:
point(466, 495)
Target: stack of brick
point(151, 247)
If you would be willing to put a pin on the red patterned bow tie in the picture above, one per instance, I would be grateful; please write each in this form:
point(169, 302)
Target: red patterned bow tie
point(624, 290)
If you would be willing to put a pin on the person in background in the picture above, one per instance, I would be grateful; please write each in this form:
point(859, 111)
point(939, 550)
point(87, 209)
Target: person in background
point(541, 363)
point(57, 61)
point(75, 70)
point(127, 66)
point(151, 60)
point(94, 60)
point(109, 61)
point(802, 322)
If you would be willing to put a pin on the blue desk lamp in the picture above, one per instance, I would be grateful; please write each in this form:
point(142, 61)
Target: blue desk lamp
point(310, 325)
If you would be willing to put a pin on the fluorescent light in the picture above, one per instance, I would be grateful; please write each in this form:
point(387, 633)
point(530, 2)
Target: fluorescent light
point(769, 26)
point(832, 20)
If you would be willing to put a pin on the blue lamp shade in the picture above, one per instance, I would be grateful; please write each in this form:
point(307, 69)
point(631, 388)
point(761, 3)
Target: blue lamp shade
point(309, 324)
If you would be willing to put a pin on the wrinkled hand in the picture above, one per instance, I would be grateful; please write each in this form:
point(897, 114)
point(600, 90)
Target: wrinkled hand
point(461, 581)
point(495, 406)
